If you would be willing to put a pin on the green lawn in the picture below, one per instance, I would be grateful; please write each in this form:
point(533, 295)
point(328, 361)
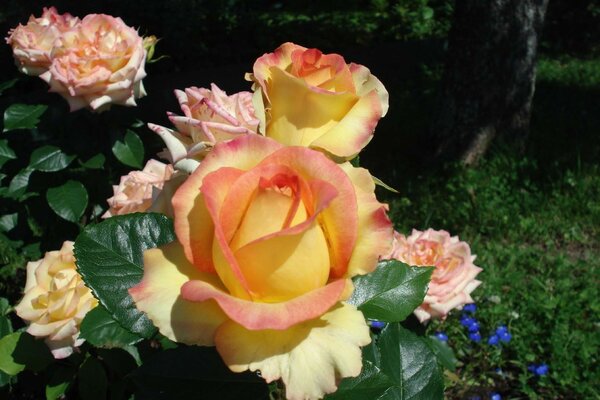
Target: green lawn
point(534, 223)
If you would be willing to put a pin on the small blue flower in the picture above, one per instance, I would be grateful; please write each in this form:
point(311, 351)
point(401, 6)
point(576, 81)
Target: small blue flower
point(541, 370)
point(493, 340)
point(506, 337)
point(470, 308)
point(465, 320)
point(475, 336)
point(441, 336)
point(377, 324)
point(531, 368)
point(501, 330)
point(474, 327)
point(496, 396)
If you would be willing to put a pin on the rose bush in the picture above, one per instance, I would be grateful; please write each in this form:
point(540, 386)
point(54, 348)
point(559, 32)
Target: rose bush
point(137, 190)
point(268, 239)
point(210, 116)
point(453, 279)
point(55, 301)
point(32, 43)
point(306, 98)
point(97, 63)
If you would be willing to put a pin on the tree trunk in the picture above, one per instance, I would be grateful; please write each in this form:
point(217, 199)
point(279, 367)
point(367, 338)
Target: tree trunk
point(489, 76)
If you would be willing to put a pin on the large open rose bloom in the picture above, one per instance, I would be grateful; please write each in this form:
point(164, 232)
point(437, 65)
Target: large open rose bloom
point(32, 43)
point(268, 239)
point(138, 189)
point(55, 301)
point(209, 116)
point(97, 63)
point(306, 98)
point(453, 279)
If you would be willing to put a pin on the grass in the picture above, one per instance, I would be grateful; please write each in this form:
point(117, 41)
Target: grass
point(534, 222)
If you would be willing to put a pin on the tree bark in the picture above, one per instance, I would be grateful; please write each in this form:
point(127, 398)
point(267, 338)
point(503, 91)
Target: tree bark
point(489, 76)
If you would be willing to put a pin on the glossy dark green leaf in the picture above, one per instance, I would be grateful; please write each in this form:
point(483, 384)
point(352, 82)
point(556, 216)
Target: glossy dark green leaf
point(20, 350)
point(8, 222)
point(130, 151)
point(68, 200)
point(100, 329)
point(7, 85)
point(370, 384)
point(109, 258)
point(18, 184)
point(23, 116)
point(95, 162)
point(93, 383)
point(4, 306)
point(392, 291)
point(443, 353)
point(409, 362)
point(6, 153)
point(179, 373)
point(49, 159)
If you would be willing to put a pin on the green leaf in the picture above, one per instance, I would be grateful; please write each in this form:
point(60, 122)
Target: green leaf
point(23, 116)
point(61, 377)
point(410, 364)
point(443, 353)
point(5, 326)
point(384, 185)
point(49, 159)
point(18, 184)
point(130, 151)
point(6, 153)
point(93, 383)
point(370, 384)
point(101, 330)
point(96, 162)
point(4, 306)
point(20, 350)
point(8, 222)
point(7, 85)
point(178, 373)
point(109, 258)
point(392, 291)
point(68, 201)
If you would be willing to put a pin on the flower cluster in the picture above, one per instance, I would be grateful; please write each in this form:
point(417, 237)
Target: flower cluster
point(93, 62)
point(453, 279)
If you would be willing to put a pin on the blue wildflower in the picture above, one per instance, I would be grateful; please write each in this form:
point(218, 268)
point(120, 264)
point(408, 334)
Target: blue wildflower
point(531, 368)
point(377, 324)
point(474, 327)
point(496, 396)
point(506, 337)
point(541, 369)
point(441, 336)
point(475, 336)
point(501, 330)
point(493, 340)
point(470, 308)
point(465, 320)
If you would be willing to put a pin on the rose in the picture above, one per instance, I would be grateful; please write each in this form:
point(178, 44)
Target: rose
point(136, 190)
point(33, 43)
point(55, 301)
point(307, 98)
point(98, 62)
point(453, 279)
point(210, 116)
point(268, 239)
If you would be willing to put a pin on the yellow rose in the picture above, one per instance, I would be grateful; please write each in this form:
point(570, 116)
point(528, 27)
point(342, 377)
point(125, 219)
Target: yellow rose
point(56, 300)
point(306, 98)
point(269, 237)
